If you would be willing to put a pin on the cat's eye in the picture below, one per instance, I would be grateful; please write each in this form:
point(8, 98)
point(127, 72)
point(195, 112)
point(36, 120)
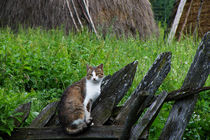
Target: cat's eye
point(100, 74)
point(91, 74)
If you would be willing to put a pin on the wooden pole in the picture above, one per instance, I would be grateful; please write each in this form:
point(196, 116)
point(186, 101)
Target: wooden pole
point(198, 20)
point(176, 20)
point(75, 10)
point(72, 17)
point(90, 18)
point(185, 21)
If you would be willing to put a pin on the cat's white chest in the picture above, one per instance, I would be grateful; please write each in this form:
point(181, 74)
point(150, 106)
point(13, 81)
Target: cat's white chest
point(93, 90)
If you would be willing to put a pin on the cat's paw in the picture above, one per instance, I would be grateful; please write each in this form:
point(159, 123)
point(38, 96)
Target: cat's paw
point(89, 121)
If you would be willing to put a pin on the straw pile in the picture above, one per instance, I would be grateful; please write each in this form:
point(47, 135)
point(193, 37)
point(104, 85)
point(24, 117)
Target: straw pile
point(127, 17)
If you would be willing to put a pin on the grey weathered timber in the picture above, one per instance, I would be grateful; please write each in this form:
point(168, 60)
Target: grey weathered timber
point(104, 84)
point(148, 117)
point(112, 92)
point(143, 102)
point(54, 121)
point(45, 115)
point(150, 83)
point(182, 109)
point(181, 94)
point(94, 132)
point(25, 110)
point(132, 116)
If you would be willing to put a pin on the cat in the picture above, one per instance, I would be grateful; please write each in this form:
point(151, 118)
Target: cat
point(75, 105)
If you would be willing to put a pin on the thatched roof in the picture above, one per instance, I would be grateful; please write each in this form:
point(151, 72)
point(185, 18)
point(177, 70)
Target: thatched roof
point(190, 16)
point(118, 16)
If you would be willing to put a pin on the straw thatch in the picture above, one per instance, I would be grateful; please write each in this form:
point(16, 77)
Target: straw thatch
point(194, 18)
point(118, 16)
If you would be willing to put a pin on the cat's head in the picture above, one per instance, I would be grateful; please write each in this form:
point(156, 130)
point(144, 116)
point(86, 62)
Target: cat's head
point(95, 74)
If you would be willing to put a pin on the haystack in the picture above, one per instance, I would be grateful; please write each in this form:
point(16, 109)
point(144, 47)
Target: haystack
point(116, 16)
point(190, 17)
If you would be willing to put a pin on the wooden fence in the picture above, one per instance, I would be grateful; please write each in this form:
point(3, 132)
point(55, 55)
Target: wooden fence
point(122, 122)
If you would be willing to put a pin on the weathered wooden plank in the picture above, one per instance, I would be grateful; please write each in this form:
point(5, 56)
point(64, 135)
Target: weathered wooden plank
point(45, 115)
point(150, 83)
point(140, 103)
point(182, 109)
point(54, 121)
point(181, 94)
point(25, 110)
point(94, 132)
point(103, 111)
point(132, 116)
point(112, 92)
point(148, 117)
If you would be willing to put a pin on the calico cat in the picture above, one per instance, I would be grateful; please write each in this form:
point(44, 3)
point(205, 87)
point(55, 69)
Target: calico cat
point(76, 101)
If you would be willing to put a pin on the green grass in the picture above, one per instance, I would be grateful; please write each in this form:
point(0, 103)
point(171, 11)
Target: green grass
point(37, 65)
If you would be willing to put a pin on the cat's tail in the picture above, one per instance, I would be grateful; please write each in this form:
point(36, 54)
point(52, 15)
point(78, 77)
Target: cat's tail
point(76, 127)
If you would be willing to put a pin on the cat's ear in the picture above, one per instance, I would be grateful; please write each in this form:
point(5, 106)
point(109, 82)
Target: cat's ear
point(101, 66)
point(89, 67)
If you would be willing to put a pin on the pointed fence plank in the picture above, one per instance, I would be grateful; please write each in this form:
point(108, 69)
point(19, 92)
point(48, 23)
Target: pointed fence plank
point(150, 83)
point(182, 109)
point(25, 110)
point(148, 117)
point(132, 116)
point(112, 92)
point(45, 115)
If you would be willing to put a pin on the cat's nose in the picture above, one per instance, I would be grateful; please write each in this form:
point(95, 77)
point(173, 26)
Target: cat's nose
point(94, 79)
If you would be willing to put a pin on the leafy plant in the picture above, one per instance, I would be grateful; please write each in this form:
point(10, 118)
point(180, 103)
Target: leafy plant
point(37, 65)
point(9, 100)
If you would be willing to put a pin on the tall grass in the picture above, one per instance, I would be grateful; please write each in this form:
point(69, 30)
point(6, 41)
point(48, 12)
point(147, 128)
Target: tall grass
point(37, 65)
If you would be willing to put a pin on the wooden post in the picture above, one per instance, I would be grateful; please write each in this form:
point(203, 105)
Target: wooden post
point(198, 21)
point(182, 109)
point(176, 20)
point(89, 17)
point(185, 20)
point(75, 10)
point(71, 14)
